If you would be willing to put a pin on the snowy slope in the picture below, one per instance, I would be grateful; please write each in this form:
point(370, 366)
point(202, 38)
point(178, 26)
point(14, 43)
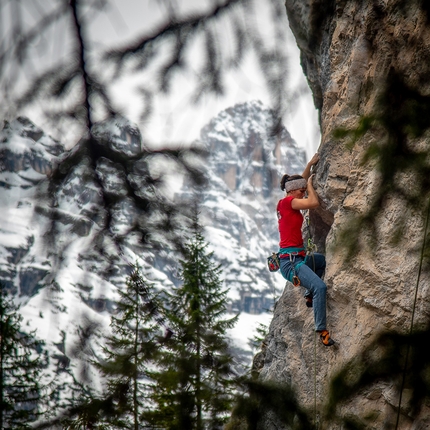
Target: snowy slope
point(64, 285)
point(238, 205)
point(245, 165)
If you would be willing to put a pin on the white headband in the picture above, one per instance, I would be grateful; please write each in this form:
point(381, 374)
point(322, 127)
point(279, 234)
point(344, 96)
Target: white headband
point(295, 184)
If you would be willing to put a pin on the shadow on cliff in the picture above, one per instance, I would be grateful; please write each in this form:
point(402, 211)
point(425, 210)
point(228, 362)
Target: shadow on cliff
point(401, 157)
point(394, 360)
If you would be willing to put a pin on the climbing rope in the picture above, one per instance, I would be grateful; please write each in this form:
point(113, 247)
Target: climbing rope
point(315, 378)
point(310, 250)
point(413, 315)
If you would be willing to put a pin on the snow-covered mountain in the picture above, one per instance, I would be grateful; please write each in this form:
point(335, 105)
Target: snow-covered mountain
point(244, 168)
point(64, 286)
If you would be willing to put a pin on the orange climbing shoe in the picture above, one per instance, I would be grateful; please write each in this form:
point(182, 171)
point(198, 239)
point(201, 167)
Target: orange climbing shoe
point(325, 338)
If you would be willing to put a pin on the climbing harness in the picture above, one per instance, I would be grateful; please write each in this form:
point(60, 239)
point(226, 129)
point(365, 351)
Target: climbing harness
point(295, 279)
point(311, 248)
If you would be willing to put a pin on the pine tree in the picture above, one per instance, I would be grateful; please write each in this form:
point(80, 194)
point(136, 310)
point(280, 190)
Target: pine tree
point(259, 337)
point(21, 363)
point(75, 399)
point(128, 352)
point(196, 382)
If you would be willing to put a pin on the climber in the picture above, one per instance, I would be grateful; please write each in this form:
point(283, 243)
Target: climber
point(295, 267)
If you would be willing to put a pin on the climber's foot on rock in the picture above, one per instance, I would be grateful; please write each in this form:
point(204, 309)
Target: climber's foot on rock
point(325, 338)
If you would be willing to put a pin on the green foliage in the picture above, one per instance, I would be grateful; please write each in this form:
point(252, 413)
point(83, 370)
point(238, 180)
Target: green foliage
point(127, 355)
point(400, 152)
point(259, 337)
point(400, 360)
point(364, 125)
point(123, 366)
point(391, 359)
point(268, 402)
point(83, 409)
point(76, 90)
point(21, 362)
point(130, 351)
point(195, 380)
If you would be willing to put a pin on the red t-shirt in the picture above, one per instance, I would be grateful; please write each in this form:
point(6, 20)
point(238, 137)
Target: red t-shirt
point(290, 224)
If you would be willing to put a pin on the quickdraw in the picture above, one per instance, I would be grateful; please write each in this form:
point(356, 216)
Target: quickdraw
point(295, 279)
point(311, 246)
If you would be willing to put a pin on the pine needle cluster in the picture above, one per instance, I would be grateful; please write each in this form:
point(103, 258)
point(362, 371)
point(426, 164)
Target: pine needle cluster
point(195, 381)
point(21, 363)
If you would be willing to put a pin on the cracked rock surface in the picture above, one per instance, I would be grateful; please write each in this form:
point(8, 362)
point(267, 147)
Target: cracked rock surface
point(347, 51)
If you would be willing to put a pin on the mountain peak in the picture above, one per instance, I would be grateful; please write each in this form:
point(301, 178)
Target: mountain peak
point(119, 134)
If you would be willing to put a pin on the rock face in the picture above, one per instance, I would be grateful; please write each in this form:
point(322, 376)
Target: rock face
point(26, 155)
point(348, 50)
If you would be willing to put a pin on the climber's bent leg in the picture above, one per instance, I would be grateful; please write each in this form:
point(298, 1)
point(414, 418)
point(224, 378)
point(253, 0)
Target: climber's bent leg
point(317, 263)
point(318, 289)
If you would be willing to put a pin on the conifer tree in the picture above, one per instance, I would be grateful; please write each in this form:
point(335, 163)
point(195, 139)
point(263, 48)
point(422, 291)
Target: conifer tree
point(196, 382)
point(21, 363)
point(129, 351)
point(259, 337)
point(75, 400)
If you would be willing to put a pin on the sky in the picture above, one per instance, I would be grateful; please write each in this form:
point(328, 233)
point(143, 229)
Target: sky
point(174, 117)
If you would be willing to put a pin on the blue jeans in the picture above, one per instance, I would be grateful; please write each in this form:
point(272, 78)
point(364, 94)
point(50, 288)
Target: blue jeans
point(310, 274)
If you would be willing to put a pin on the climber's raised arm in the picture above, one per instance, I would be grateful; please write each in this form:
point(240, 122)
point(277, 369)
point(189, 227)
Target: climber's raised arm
point(299, 203)
point(314, 160)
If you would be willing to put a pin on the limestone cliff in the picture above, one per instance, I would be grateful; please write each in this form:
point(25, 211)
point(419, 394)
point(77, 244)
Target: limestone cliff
point(348, 50)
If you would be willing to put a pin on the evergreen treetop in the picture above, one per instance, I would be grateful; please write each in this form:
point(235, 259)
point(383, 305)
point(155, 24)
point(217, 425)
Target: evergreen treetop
point(21, 363)
point(130, 351)
point(195, 380)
